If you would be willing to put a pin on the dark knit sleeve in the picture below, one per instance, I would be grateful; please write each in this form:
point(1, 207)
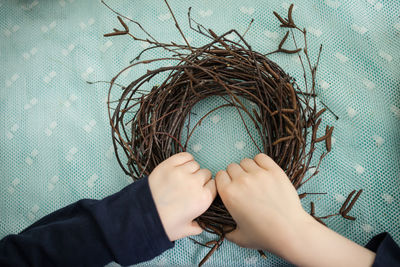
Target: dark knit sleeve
point(124, 227)
point(387, 251)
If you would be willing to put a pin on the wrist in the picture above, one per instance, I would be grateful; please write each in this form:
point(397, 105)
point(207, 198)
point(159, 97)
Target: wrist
point(317, 245)
point(304, 230)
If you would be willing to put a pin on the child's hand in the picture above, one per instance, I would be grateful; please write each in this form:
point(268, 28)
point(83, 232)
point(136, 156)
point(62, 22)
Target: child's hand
point(182, 192)
point(262, 201)
point(269, 216)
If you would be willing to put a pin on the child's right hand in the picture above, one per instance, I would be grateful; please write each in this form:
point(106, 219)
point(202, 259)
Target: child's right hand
point(263, 203)
point(269, 216)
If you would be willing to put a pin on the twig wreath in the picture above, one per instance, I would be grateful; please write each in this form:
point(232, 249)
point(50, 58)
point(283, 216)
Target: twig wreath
point(287, 121)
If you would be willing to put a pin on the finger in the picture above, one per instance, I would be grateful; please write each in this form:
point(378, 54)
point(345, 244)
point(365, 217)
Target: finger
point(249, 165)
point(234, 170)
point(265, 162)
point(222, 179)
point(193, 229)
point(180, 158)
point(203, 175)
point(211, 190)
point(190, 166)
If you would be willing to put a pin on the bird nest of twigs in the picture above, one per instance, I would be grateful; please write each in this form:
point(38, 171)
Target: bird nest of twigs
point(287, 119)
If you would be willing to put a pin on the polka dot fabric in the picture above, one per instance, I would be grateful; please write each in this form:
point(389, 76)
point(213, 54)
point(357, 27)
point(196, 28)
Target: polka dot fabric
point(55, 137)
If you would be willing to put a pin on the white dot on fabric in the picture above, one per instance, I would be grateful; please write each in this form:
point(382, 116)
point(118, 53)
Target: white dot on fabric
point(332, 4)
point(359, 169)
point(215, 119)
point(314, 31)
point(385, 55)
point(73, 97)
point(296, 59)
point(50, 187)
point(359, 29)
point(251, 260)
point(110, 152)
point(164, 17)
point(34, 153)
point(54, 179)
point(144, 44)
point(340, 198)
point(10, 189)
point(15, 127)
point(52, 25)
point(16, 181)
point(48, 132)
point(240, 145)
point(15, 77)
point(395, 110)
point(9, 135)
point(90, 182)
point(29, 161)
point(89, 70)
point(196, 147)
point(370, 85)
point(53, 124)
point(44, 28)
point(73, 150)
point(105, 46)
point(205, 13)
point(7, 32)
point(341, 57)
point(91, 21)
point(367, 228)
point(87, 128)
point(163, 261)
point(351, 112)
point(379, 140)
point(378, 6)
point(247, 10)
point(31, 216)
point(388, 198)
point(34, 101)
point(324, 84)
point(333, 139)
point(232, 36)
point(35, 208)
point(26, 55)
point(271, 35)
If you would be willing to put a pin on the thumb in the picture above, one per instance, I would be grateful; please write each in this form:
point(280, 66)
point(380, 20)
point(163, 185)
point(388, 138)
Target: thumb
point(193, 229)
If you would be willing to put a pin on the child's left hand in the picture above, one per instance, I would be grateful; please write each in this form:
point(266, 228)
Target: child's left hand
point(182, 192)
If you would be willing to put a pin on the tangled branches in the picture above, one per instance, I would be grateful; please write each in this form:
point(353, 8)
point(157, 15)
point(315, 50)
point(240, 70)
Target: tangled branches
point(287, 120)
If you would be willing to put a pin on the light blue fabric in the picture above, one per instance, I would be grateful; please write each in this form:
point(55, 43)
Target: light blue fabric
point(55, 137)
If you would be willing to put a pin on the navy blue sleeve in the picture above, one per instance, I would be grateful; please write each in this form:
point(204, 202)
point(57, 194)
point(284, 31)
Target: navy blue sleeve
point(387, 251)
point(124, 227)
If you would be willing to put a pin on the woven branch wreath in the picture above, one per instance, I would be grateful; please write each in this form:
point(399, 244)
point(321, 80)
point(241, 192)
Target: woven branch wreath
point(287, 121)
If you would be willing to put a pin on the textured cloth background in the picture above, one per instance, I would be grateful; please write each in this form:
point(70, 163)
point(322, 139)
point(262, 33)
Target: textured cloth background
point(55, 137)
